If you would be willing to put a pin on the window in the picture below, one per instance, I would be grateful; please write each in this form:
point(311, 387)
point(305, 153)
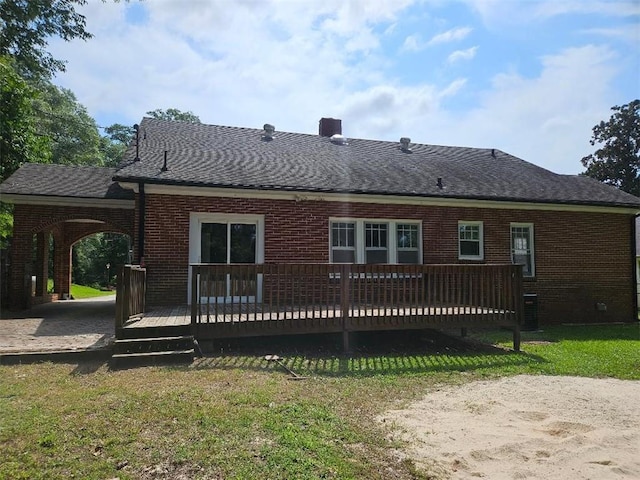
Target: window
point(376, 241)
point(407, 243)
point(470, 241)
point(343, 242)
point(366, 241)
point(522, 252)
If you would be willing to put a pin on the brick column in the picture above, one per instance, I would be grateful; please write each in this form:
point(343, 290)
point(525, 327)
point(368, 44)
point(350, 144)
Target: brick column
point(21, 267)
point(41, 270)
point(61, 265)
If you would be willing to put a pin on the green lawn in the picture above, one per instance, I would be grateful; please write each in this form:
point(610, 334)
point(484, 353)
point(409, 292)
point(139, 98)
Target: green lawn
point(235, 415)
point(82, 291)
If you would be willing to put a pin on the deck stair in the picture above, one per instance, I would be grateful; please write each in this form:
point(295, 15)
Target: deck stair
point(153, 345)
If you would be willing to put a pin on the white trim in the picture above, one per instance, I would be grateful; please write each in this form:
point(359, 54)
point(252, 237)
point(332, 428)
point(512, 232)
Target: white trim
point(377, 199)
point(472, 223)
point(360, 248)
point(51, 200)
point(196, 219)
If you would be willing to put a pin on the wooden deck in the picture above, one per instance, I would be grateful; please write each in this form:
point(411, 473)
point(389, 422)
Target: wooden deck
point(168, 316)
point(284, 299)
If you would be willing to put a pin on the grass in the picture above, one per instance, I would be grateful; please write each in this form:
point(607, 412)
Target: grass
point(82, 291)
point(235, 415)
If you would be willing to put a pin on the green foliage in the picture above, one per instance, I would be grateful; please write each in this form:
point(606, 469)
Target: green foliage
point(617, 161)
point(92, 254)
point(115, 142)
point(175, 115)
point(19, 141)
point(73, 133)
point(26, 27)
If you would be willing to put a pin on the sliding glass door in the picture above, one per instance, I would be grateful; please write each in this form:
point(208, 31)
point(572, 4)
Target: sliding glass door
point(227, 239)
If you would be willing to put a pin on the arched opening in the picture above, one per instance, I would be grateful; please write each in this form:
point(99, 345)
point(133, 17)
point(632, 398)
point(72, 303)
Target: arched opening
point(95, 260)
point(81, 251)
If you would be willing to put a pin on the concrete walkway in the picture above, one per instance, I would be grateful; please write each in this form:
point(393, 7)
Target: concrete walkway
point(65, 327)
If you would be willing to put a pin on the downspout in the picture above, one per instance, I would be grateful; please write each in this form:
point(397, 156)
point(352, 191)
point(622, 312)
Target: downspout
point(141, 215)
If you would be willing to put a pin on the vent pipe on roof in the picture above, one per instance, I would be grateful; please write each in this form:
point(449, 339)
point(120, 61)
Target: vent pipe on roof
point(338, 139)
point(439, 184)
point(404, 144)
point(330, 127)
point(164, 167)
point(493, 152)
point(269, 130)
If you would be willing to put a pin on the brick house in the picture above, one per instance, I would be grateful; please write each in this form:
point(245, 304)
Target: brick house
point(193, 193)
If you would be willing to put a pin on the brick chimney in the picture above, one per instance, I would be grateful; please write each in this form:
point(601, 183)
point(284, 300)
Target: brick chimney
point(330, 126)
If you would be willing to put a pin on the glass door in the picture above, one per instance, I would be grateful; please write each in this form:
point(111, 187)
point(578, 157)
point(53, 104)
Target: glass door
point(230, 243)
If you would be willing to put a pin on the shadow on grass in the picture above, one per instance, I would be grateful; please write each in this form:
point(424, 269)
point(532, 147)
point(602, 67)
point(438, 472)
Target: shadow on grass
point(375, 353)
point(576, 332)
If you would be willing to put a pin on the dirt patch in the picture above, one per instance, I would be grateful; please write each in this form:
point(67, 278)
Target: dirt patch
point(525, 427)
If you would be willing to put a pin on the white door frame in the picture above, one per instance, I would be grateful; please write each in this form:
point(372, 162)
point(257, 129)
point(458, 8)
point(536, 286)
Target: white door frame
point(196, 219)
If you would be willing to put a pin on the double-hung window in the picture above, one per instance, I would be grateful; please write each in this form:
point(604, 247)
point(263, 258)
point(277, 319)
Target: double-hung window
point(374, 241)
point(343, 242)
point(407, 241)
point(470, 241)
point(376, 247)
point(522, 252)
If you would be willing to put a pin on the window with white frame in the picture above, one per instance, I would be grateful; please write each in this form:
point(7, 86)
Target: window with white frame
point(376, 248)
point(343, 242)
point(374, 241)
point(522, 252)
point(470, 241)
point(408, 243)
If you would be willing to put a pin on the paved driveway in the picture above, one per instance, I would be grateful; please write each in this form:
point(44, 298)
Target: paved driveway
point(70, 325)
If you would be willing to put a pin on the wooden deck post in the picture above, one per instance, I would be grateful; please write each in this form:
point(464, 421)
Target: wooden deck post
point(195, 304)
point(345, 303)
point(519, 301)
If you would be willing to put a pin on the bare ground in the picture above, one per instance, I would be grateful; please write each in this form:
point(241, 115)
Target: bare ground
point(525, 427)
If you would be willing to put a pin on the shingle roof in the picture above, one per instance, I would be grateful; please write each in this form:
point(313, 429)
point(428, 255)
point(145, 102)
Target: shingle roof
point(210, 155)
point(39, 179)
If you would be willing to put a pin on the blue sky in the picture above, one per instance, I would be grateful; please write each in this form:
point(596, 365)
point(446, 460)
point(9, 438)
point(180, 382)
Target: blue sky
point(528, 77)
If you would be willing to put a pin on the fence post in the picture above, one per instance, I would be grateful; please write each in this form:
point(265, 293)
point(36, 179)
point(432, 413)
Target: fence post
point(119, 300)
point(345, 303)
point(519, 303)
point(194, 295)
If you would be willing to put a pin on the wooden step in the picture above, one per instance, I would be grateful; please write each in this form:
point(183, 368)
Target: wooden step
point(151, 358)
point(162, 353)
point(153, 344)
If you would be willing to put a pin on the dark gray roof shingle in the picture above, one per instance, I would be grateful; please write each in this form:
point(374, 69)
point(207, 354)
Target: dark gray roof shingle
point(65, 181)
point(210, 155)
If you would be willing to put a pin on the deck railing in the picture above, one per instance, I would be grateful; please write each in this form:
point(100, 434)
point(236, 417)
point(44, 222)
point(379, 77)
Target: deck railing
point(356, 297)
point(130, 293)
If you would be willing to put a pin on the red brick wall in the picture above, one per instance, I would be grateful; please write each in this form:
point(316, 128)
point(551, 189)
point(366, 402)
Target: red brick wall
point(33, 219)
point(581, 258)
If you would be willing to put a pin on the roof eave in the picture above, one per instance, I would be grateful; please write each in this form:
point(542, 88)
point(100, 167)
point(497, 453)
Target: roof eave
point(63, 201)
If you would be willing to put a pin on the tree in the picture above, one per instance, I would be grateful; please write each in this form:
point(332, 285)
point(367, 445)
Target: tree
point(73, 133)
point(617, 161)
point(115, 142)
point(26, 27)
point(19, 140)
point(175, 115)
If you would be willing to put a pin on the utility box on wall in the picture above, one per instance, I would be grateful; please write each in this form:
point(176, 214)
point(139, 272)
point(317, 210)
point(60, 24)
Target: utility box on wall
point(530, 312)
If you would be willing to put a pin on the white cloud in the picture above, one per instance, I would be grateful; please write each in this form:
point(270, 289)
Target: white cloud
point(413, 43)
point(546, 119)
point(453, 35)
point(500, 13)
point(459, 55)
point(249, 63)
